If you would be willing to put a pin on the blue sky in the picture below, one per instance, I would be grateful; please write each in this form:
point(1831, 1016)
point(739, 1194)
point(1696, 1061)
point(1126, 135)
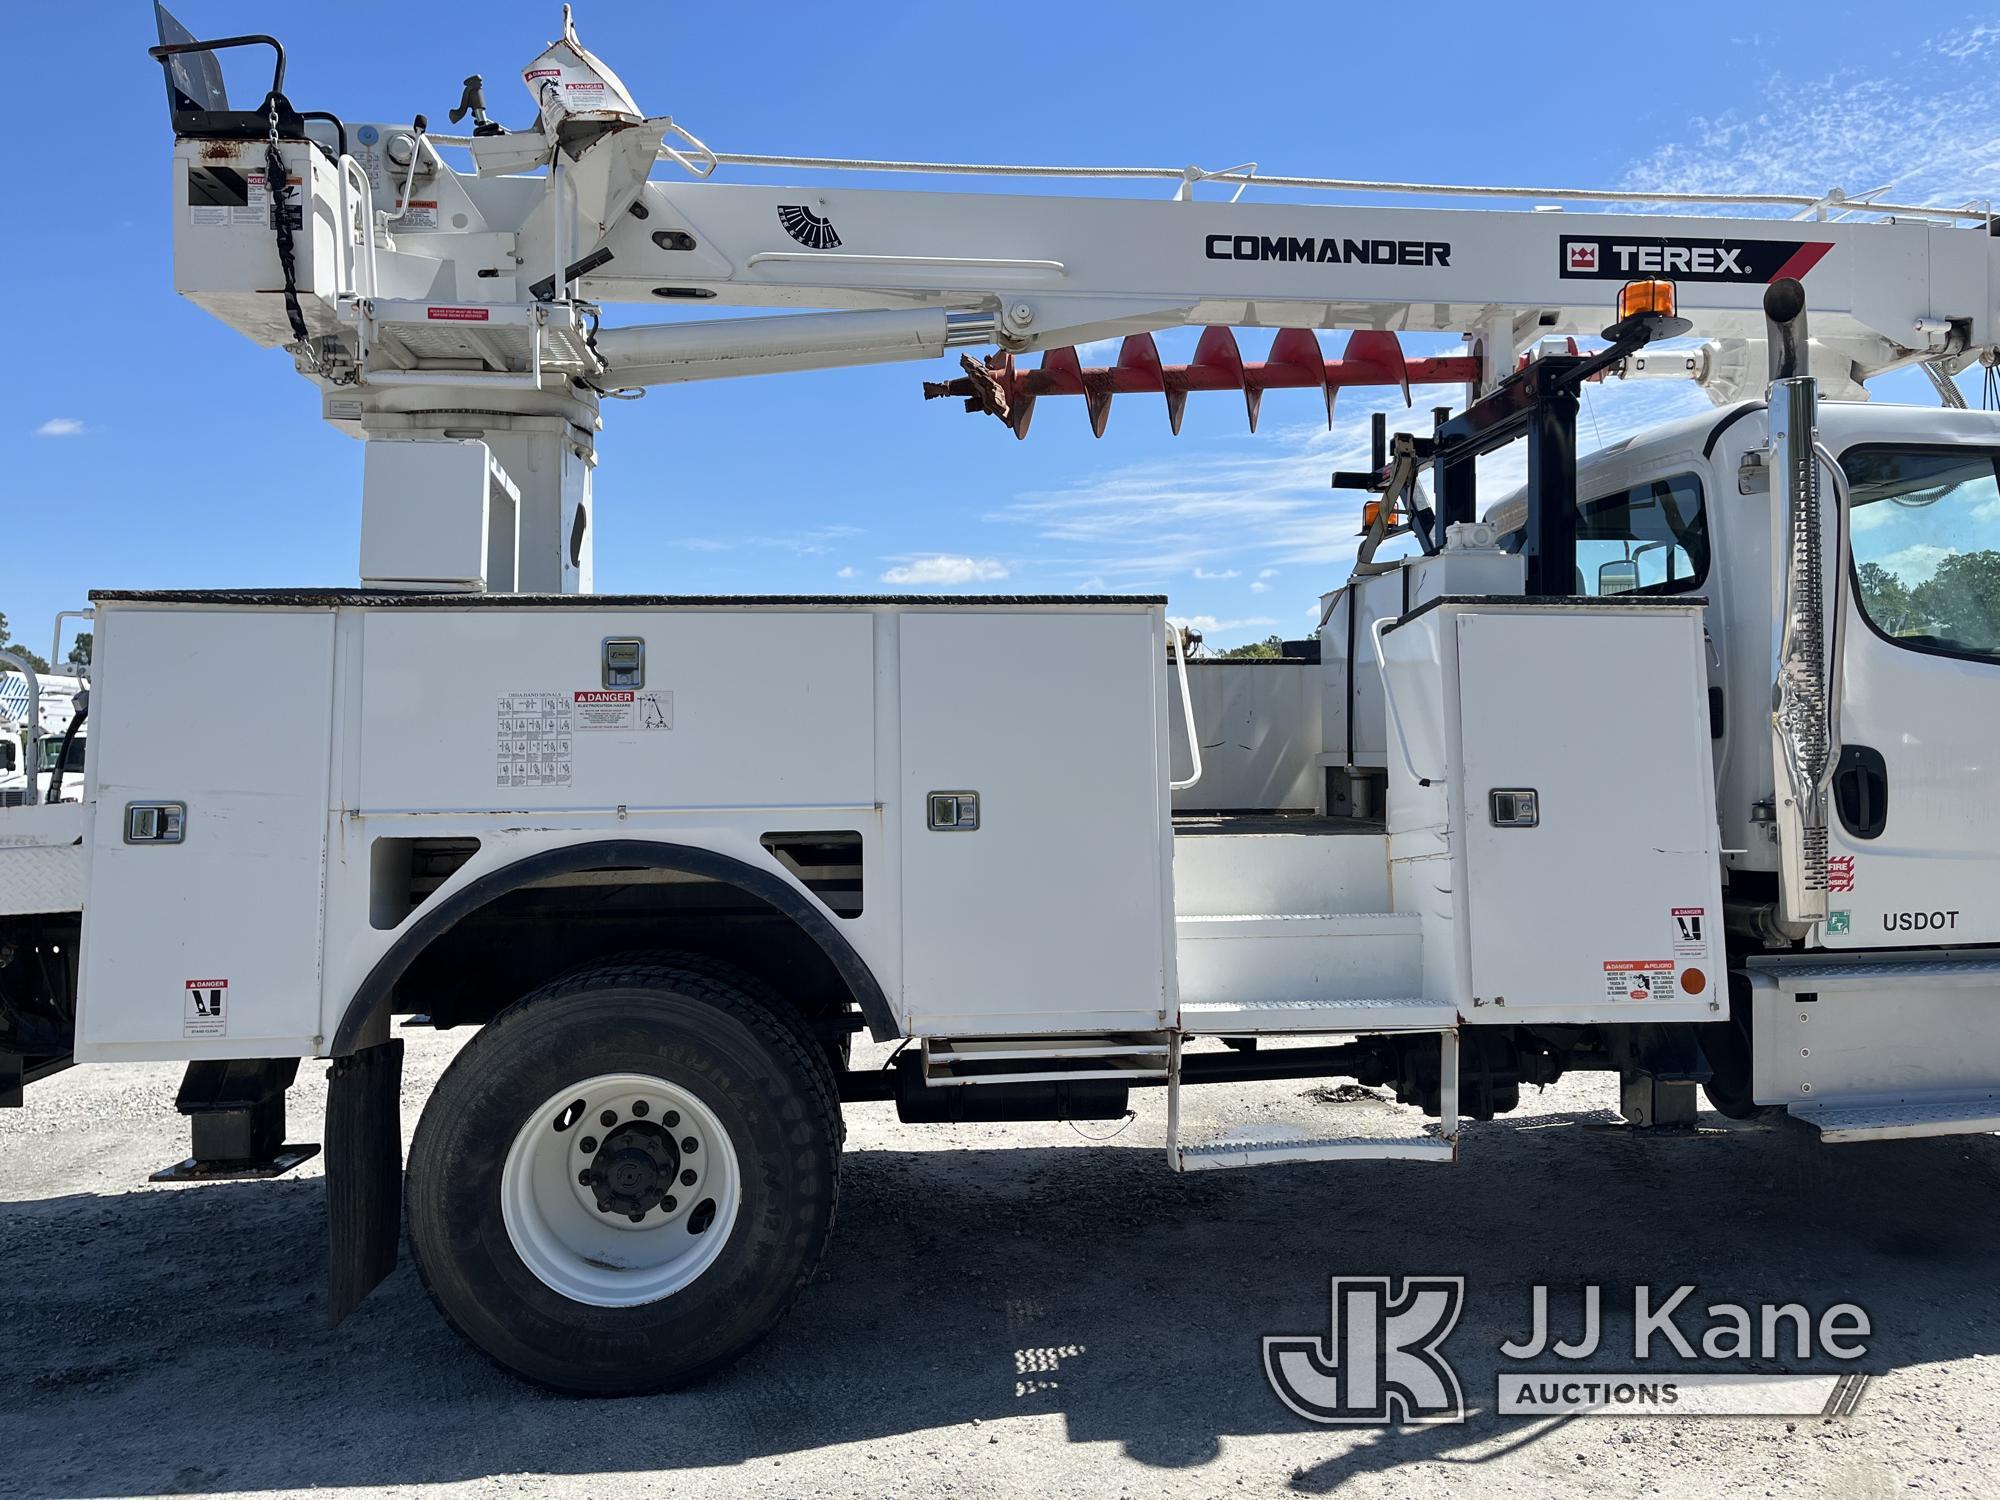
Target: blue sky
point(149, 446)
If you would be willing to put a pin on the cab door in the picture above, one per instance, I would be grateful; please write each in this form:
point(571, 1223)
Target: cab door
point(1914, 851)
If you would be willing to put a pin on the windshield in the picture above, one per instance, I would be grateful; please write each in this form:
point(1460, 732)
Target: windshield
point(52, 747)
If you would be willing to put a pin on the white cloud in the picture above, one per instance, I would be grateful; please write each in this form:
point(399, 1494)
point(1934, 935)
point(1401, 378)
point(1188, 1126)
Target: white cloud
point(61, 427)
point(1959, 45)
point(1916, 563)
point(813, 542)
point(1218, 507)
point(1210, 627)
point(1260, 587)
point(1930, 135)
point(848, 572)
point(947, 568)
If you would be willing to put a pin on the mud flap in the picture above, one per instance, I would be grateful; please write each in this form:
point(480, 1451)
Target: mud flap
point(364, 1173)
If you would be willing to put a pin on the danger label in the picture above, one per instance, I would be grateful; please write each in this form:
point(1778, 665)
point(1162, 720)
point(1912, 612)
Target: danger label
point(622, 709)
point(1690, 931)
point(605, 708)
point(1639, 979)
point(205, 1008)
point(454, 314)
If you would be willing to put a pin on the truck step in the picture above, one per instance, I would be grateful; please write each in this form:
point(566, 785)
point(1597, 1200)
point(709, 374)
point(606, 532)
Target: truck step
point(1833, 975)
point(1269, 1148)
point(1253, 958)
point(1842, 1121)
point(1267, 1144)
point(1269, 1017)
point(960, 1061)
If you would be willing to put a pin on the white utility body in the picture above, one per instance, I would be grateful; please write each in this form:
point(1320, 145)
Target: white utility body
point(1657, 766)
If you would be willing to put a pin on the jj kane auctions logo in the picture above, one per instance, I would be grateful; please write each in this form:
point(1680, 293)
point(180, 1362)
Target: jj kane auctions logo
point(1382, 1359)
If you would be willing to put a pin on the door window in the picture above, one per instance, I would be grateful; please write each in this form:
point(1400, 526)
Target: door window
point(1924, 526)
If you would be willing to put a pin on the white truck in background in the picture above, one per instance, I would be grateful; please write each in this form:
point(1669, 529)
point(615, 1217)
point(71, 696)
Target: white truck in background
point(1678, 756)
point(21, 753)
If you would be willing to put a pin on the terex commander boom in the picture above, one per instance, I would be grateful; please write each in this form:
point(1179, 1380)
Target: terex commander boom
point(1655, 767)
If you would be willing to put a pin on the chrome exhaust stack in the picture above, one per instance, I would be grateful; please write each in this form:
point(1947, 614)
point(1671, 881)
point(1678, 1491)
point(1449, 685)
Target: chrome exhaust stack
point(1809, 557)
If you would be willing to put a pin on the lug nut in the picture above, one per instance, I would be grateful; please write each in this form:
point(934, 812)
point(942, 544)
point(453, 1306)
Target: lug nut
point(638, 1218)
point(641, 1109)
point(671, 1118)
point(587, 1145)
point(608, 1118)
point(687, 1179)
point(584, 1177)
point(668, 1205)
point(690, 1145)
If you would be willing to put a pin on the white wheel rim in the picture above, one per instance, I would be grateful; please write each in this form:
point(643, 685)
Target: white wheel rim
point(556, 1221)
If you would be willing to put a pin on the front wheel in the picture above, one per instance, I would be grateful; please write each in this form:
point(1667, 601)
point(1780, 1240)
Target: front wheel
point(624, 1180)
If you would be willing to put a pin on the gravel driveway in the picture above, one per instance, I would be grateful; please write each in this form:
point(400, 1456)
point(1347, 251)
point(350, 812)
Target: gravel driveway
point(1005, 1310)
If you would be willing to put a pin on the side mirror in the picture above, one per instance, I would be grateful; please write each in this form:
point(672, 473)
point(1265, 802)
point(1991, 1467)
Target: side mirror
point(1620, 576)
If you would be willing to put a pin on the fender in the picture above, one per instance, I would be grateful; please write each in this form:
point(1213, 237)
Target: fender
point(613, 854)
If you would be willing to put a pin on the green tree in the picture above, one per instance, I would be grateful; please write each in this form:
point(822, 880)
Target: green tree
point(1961, 600)
point(1267, 649)
point(79, 649)
point(1885, 599)
point(7, 643)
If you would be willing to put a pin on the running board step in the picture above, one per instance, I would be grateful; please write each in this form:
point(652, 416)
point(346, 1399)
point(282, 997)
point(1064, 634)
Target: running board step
point(1277, 1149)
point(1263, 1145)
point(1340, 1017)
point(1841, 1121)
point(1126, 1055)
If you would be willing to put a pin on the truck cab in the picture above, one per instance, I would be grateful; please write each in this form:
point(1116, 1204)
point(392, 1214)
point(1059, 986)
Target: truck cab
point(1685, 510)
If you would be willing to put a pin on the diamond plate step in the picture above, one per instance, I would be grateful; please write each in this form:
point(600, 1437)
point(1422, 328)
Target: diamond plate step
point(1277, 1150)
point(1874, 974)
point(1892, 1120)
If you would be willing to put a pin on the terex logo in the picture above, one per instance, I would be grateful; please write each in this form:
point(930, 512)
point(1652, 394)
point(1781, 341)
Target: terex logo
point(1690, 260)
point(1380, 1359)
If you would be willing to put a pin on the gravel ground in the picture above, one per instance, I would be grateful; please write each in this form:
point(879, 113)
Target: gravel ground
point(1005, 1310)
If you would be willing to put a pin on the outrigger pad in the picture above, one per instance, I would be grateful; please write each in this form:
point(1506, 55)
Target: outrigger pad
point(364, 1173)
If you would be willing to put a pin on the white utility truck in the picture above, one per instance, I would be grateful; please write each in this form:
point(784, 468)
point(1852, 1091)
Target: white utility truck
point(1677, 764)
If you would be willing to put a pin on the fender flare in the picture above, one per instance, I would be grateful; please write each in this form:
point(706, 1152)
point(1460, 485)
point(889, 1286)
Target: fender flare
point(438, 917)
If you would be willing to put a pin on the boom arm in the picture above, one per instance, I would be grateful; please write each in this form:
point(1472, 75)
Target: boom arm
point(429, 295)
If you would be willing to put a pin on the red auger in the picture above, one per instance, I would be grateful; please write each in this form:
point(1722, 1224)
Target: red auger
point(1371, 358)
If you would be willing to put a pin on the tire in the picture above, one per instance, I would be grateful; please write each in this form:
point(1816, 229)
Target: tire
point(527, 1241)
point(830, 1058)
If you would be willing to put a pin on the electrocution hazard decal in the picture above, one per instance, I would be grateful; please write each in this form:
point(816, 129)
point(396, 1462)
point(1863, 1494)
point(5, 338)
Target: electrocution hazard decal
point(604, 708)
point(1639, 979)
point(205, 1008)
point(532, 742)
point(623, 709)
